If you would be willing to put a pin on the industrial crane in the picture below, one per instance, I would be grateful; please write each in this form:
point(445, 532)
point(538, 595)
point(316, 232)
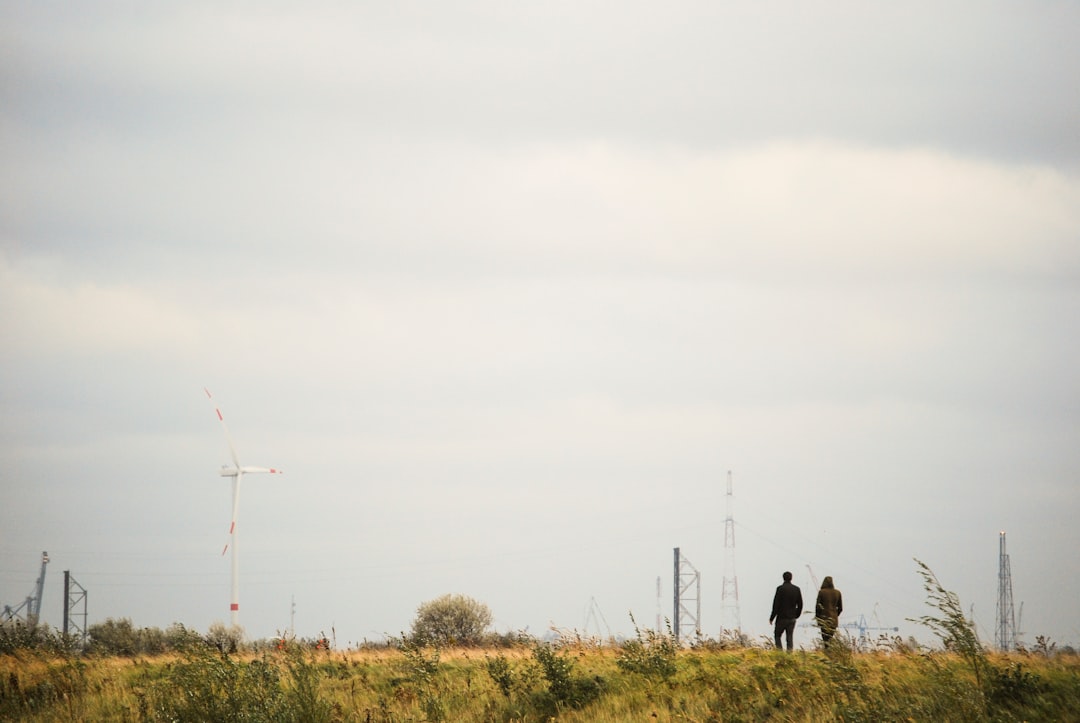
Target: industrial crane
point(32, 604)
point(862, 626)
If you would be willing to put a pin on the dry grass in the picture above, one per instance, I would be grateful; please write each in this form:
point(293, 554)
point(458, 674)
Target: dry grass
point(387, 684)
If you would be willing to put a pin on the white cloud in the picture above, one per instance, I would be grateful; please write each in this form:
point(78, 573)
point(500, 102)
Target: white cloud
point(479, 275)
point(48, 317)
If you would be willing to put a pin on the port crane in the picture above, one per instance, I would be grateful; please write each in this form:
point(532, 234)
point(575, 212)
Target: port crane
point(863, 627)
point(32, 603)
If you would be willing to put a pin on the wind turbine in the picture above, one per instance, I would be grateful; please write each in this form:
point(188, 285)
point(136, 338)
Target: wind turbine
point(236, 472)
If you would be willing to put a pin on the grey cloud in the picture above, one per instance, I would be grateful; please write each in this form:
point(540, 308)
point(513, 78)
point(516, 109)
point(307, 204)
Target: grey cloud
point(693, 74)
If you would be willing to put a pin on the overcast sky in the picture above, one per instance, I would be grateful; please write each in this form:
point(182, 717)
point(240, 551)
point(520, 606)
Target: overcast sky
point(506, 289)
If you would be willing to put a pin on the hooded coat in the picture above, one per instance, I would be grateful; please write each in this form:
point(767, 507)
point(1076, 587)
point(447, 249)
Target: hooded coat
point(830, 603)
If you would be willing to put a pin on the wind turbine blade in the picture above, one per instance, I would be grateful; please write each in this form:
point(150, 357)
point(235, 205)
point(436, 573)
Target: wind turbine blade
point(224, 427)
point(235, 509)
point(267, 470)
point(232, 525)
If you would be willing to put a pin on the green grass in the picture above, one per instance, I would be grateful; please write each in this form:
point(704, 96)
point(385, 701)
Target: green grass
point(533, 681)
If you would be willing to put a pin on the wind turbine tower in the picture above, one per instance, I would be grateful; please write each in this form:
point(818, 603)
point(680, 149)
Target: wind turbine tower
point(729, 593)
point(1005, 625)
point(236, 473)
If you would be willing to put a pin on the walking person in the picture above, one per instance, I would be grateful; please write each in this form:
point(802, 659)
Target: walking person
point(786, 609)
point(830, 603)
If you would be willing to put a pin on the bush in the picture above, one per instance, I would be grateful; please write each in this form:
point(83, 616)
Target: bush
point(225, 639)
point(500, 671)
point(1012, 685)
point(16, 636)
point(565, 689)
point(210, 685)
point(120, 637)
point(179, 638)
point(451, 620)
point(651, 654)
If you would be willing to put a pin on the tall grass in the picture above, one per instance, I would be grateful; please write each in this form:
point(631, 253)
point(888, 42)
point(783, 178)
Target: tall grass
point(535, 681)
point(651, 677)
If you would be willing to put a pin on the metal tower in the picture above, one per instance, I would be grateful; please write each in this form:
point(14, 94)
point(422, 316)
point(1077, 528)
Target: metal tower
point(729, 592)
point(594, 615)
point(74, 596)
point(687, 591)
point(1005, 623)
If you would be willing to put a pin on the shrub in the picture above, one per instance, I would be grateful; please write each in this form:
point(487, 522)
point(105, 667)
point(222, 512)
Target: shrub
point(1012, 685)
point(423, 670)
point(16, 636)
point(651, 653)
point(179, 638)
point(120, 637)
point(500, 671)
point(564, 688)
point(451, 620)
point(225, 639)
point(210, 685)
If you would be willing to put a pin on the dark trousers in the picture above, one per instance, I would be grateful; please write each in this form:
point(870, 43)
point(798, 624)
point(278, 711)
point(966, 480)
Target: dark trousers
point(785, 626)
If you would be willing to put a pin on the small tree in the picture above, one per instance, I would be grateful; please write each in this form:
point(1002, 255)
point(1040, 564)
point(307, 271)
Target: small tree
point(225, 639)
point(450, 620)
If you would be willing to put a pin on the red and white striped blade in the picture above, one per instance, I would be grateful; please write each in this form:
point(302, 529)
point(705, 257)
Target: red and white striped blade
point(232, 524)
point(224, 427)
point(232, 527)
point(267, 470)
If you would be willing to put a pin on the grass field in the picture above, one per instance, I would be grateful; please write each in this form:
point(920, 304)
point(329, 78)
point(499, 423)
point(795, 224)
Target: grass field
point(649, 679)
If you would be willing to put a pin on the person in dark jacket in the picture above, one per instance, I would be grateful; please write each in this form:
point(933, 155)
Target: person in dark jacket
point(786, 609)
point(830, 603)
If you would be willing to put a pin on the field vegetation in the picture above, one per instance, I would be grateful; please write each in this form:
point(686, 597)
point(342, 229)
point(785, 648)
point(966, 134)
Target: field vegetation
point(574, 679)
point(128, 674)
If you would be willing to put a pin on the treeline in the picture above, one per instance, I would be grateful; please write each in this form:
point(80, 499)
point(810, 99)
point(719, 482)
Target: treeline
point(120, 637)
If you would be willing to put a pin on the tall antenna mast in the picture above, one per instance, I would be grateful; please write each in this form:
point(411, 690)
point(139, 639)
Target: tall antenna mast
point(1005, 625)
point(729, 592)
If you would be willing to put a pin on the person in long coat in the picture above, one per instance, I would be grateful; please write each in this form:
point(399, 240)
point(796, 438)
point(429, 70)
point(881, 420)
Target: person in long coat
point(830, 603)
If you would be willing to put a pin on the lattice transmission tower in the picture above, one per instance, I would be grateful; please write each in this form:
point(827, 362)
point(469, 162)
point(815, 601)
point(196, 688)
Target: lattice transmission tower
point(687, 597)
point(1005, 623)
point(729, 591)
point(74, 609)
